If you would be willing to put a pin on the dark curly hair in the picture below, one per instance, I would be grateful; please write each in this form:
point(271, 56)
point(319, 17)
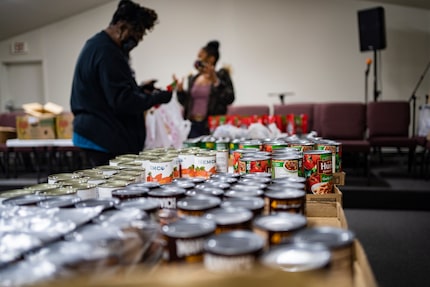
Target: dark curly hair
point(141, 18)
point(212, 49)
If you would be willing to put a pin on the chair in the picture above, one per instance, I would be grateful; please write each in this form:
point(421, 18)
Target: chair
point(388, 126)
point(297, 109)
point(346, 123)
point(248, 110)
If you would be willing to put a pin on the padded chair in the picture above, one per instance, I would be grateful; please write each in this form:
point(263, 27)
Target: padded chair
point(346, 123)
point(297, 109)
point(388, 124)
point(7, 120)
point(248, 110)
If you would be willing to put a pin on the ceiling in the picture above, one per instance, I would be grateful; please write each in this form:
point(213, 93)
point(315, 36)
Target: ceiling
point(20, 16)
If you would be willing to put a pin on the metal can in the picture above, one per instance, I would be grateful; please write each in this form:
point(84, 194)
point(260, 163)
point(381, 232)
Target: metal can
point(222, 144)
point(336, 150)
point(222, 160)
point(254, 144)
point(104, 191)
point(286, 200)
point(130, 192)
point(318, 170)
point(254, 164)
point(160, 171)
point(186, 164)
point(278, 227)
point(208, 142)
point(298, 258)
point(338, 240)
point(254, 204)
point(149, 205)
point(205, 164)
point(233, 251)
point(289, 165)
point(56, 178)
point(167, 197)
point(302, 145)
point(197, 205)
point(272, 145)
point(185, 238)
point(230, 218)
point(237, 155)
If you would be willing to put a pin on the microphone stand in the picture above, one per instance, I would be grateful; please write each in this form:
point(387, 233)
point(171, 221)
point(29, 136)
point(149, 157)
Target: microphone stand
point(413, 97)
point(366, 75)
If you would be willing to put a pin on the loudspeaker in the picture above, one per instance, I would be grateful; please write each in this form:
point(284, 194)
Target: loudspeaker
point(371, 23)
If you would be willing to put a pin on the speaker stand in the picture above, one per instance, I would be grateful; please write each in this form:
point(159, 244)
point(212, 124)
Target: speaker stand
point(375, 76)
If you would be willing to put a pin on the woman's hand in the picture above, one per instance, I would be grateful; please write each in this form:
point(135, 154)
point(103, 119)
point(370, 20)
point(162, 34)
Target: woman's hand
point(179, 83)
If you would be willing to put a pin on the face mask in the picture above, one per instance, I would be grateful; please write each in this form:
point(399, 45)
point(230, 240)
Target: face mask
point(199, 64)
point(128, 44)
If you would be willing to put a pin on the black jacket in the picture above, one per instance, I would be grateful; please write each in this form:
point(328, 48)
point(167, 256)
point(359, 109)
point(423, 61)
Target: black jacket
point(219, 97)
point(107, 104)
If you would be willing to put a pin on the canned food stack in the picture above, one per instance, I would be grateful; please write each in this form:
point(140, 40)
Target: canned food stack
point(223, 204)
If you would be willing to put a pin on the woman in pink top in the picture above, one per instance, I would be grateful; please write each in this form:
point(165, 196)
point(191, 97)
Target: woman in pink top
point(209, 92)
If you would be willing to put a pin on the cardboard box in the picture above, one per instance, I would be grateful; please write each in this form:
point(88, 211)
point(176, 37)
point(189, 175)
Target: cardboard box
point(339, 178)
point(336, 196)
point(42, 111)
point(7, 133)
point(64, 125)
point(30, 127)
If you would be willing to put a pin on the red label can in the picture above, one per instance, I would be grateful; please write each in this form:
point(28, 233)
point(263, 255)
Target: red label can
point(318, 171)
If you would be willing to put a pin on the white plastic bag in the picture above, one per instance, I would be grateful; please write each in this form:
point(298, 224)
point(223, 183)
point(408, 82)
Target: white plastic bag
point(165, 126)
point(424, 121)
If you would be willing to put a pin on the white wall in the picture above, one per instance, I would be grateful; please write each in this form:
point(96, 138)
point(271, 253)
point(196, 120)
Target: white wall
point(310, 47)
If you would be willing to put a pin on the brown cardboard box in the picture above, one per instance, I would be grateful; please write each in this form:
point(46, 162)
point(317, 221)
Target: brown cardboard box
point(339, 178)
point(42, 111)
point(336, 196)
point(30, 127)
point(7, 133)
point(64, 125)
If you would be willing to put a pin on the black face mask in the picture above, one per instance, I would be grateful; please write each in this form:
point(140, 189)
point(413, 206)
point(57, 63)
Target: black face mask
point(128, 44)
point(199, 64)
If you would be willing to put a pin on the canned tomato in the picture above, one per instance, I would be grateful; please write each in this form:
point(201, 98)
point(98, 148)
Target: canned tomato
point(288, 165)
point(318, 170)
point(160, 171)
point(254, 164)
point(175, 165)
point(185, 238)
point(56, 178)
point(269, 146)
point(302, 145)
point(336, 150)
point(205, 164)
point(233, 251)
point(276, 228)
point(186, 163)
point(237, 155)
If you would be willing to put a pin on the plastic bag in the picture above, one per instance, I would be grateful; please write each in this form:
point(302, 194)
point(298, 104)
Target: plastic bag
point(424, 121)
point(165, 126)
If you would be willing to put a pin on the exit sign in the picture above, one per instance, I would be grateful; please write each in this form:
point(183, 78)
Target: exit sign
point(19, 47)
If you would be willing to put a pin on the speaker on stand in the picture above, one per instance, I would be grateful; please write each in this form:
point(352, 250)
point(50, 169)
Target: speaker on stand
point(371, 24)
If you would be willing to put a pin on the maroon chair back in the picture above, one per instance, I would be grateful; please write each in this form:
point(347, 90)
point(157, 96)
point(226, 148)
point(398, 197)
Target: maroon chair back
point(388, 119)
point(297, 109)
point(343, 120)
point(9, 119)
point(248, 110)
